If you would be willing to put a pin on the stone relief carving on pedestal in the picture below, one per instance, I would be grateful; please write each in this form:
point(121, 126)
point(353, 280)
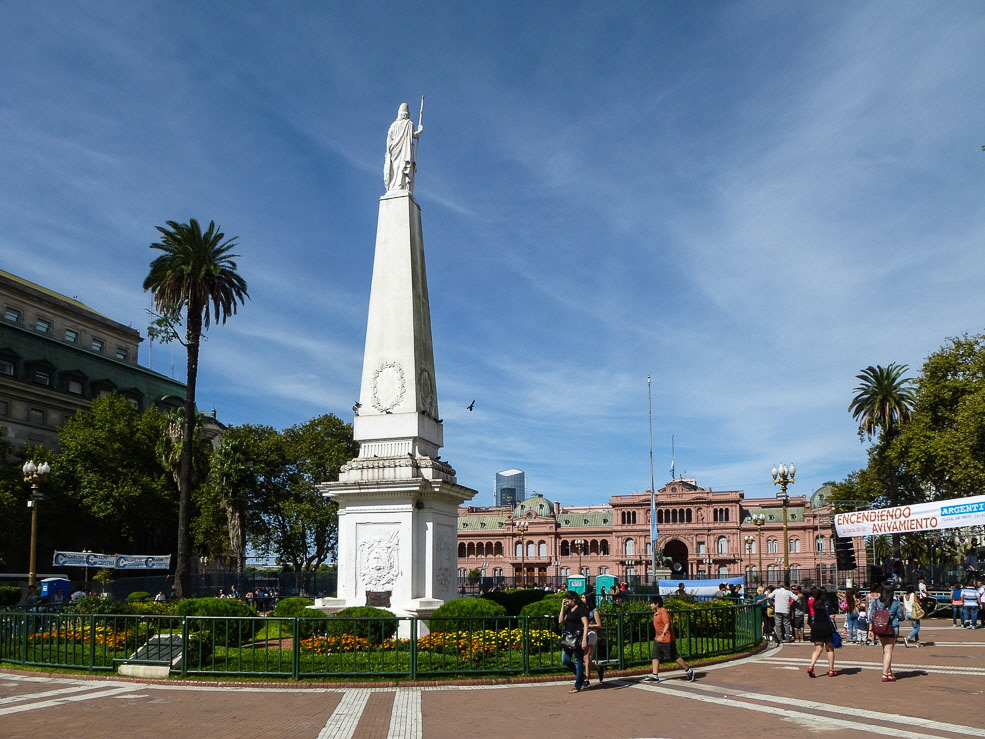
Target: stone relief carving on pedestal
point(378, 560)
point(389, 386)
point(426, 391)
point(444, 558)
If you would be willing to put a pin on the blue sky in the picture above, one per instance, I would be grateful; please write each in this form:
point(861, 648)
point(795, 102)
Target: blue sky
point(749, 201)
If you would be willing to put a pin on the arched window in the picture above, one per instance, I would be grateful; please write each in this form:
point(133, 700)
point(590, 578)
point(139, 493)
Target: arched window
point(519, 549)
point(604, 547)
point(794, 573)
point(689, 515)
point(660, 516)
point(630, 547)
point(673, 516)
point(721, 545)
point(471, 549)
point(461, 549)
point(542, 549)
point(714, 516)
point(819, 543)
point(727, 515)
point(649, 547)
point(530, 549)
point(480, 549)
point(565, 548)
point(593, 546)
point(773, 573)
point(772, 546)
point(499, 549)
point(794, 546)
point(723, 570)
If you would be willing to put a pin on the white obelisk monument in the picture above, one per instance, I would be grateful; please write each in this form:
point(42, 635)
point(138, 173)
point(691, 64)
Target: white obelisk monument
point(397, 500)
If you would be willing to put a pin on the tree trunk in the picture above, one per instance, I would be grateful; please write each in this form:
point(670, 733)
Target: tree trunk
point(182, 570)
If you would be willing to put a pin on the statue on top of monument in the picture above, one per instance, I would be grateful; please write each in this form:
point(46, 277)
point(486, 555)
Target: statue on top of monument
point(400, 161)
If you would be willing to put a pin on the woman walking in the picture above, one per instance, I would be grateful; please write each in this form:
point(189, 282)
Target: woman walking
point(884, 618)
point(851, 614)
point(822, 632)
point(574, 636)
point(594, 636)
point(914, 612)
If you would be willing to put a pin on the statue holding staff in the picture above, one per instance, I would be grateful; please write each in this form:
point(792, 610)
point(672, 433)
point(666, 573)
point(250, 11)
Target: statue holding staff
point(400, 162)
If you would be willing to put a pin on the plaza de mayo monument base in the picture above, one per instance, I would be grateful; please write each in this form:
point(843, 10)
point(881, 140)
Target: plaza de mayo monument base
point(398, 501)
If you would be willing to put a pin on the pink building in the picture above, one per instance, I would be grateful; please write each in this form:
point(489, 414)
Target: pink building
point(704, 533)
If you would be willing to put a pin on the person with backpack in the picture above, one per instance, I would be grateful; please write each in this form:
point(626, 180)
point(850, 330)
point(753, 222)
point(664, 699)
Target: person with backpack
point(886, 612)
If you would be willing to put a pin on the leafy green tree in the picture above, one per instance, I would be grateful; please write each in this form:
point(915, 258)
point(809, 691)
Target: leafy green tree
point(116, 495)
point(884, 400)
point(194, 281)
point(944, 444)
point(304, 524)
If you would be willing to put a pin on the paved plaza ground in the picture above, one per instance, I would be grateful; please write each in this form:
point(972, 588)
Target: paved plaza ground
point(940, 692)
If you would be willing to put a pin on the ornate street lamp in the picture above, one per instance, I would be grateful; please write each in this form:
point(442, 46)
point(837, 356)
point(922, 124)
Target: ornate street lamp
point(783, 476)
point(580, 545)
point(35, 476)
point(521, 526)
point(749, 540)
point(759, 519)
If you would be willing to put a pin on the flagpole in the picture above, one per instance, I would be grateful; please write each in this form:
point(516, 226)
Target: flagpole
point(653, 494)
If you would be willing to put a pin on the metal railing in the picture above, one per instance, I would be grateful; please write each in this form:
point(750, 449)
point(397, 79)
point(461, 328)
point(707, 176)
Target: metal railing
point(329, 647)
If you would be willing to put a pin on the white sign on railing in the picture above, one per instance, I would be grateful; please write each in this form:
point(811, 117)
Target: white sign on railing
point(941, 514)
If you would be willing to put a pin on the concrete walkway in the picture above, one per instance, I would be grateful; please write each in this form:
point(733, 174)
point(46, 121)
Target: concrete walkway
point(940, 692)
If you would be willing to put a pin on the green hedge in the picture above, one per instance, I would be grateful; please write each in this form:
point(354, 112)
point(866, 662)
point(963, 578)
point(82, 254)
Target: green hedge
point(375, 632)
point(10, 595)
point(514, 601)
point(138, 596)
point(225, 633)
point(457, 615)
point(549, 606)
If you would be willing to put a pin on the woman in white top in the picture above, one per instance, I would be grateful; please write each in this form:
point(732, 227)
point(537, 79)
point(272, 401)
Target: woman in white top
point(910, 605)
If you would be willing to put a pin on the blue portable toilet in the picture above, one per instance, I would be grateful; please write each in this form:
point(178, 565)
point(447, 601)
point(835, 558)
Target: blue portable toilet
point(603, 583)
point(577, 583)
point(52, 585)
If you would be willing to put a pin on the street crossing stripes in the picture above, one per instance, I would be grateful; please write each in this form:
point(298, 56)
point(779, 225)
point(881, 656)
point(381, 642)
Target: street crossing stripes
point(344, 719)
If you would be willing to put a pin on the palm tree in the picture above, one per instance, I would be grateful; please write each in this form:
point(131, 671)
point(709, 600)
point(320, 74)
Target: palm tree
point(884, 401)
point(195, 275)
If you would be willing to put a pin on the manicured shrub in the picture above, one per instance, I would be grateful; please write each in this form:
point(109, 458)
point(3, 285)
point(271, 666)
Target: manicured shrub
point(549, 606)
point(231, 633)
point(466, 614)
point(293, 608)
point(350, 621)
point(138, 596)
point(10, 595)
point(101, 604)
point(515, 600)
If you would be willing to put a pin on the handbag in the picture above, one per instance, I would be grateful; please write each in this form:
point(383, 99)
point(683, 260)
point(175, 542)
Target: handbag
point(569, 641)
point(918, 612)
point(835, 637)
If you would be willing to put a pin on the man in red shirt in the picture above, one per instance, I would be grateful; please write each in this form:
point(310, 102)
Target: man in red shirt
point(664, 646)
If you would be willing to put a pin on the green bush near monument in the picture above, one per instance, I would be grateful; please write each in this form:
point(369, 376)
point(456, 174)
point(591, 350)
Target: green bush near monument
point(549, 606)
point(460, 614)
point(349, 621)
point(10, 595)
point(515, 600)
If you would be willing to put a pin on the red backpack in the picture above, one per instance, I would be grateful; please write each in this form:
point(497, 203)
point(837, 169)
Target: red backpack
point(881, 621)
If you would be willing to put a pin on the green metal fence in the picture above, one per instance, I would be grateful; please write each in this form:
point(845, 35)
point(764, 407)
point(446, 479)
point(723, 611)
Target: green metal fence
point(352, 648)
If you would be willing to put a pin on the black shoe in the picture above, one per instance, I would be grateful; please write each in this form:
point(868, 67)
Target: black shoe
point(601, 672)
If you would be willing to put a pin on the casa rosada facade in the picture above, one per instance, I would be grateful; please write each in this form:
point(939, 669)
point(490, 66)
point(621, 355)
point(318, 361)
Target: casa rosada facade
point(704, 533)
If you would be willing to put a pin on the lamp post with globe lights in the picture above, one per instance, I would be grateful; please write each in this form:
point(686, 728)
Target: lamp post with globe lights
point(749, 540)
point(759, 520)
point(521, 526)
point(35, 476)
point(783, 476)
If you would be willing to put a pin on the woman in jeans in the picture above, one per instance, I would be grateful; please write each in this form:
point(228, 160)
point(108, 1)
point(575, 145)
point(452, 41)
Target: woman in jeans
point(851, 614)
point(910, 601)
point(574, 618)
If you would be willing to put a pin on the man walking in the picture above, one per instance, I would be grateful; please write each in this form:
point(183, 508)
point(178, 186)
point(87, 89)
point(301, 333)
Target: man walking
point(664, 642)
point(782, 598)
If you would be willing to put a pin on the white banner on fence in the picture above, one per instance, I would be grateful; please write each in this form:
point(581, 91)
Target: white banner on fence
point(112, 561)
point(698, 587)
point(941, 514)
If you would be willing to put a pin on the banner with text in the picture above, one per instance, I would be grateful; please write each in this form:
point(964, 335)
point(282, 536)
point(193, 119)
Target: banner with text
point(698, 587)
point(941, 514)
point(112, 561)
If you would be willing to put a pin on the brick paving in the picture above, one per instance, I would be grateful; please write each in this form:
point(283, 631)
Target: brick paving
point(940, 693)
